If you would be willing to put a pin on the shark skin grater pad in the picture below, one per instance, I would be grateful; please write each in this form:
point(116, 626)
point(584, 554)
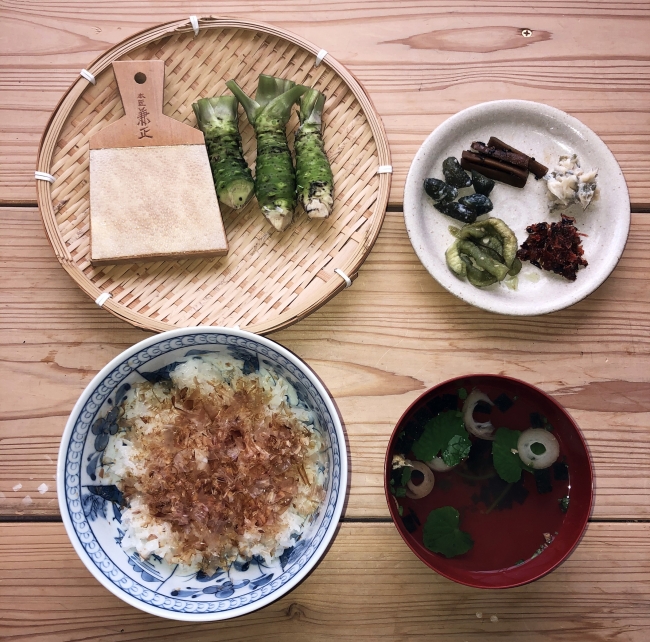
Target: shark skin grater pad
point(151, 190)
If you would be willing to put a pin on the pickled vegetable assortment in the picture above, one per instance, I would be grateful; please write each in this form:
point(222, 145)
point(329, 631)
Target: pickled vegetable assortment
point(485, 252)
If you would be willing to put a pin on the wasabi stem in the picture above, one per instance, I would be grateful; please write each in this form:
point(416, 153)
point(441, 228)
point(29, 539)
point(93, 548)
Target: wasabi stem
point(217, 119)
point(275, 179)
point(313, 172)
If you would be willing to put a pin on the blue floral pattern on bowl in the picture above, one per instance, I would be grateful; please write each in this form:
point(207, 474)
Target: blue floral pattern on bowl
point(91, 510)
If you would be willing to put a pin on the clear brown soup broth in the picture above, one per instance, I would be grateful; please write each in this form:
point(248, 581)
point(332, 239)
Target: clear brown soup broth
point(504, 532)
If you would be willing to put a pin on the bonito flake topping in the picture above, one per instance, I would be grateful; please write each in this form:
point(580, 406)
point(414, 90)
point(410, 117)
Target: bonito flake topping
point(215, 465)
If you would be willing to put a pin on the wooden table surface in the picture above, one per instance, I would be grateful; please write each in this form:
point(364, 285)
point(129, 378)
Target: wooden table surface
point(377, 346)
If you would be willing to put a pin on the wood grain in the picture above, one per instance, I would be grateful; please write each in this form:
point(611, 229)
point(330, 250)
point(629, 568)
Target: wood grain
point(376, 346)
point(369, 586)
point(420, 62)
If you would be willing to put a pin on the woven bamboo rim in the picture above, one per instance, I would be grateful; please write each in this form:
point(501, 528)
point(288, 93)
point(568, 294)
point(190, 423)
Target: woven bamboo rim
point(269, 279)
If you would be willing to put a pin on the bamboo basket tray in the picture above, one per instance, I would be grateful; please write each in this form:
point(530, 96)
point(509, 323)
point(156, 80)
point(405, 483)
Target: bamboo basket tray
point(269, 279)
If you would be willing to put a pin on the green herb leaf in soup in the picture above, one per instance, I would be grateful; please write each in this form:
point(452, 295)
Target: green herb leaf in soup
point(442, 533)
point(437, 434)
point(457, 449)
point(505, 456)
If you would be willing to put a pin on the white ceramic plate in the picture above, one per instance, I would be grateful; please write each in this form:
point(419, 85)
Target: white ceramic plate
point(545, 133)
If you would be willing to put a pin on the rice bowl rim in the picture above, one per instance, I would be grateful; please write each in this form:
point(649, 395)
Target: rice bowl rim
point(322, 545)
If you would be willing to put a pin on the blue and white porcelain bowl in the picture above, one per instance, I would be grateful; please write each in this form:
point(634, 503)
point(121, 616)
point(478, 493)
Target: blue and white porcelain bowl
point(91, 510)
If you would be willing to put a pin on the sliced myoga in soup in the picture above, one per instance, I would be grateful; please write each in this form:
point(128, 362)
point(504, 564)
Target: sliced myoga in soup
point(214, 465)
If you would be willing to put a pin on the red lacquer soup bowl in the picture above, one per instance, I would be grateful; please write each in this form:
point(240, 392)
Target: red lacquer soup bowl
point(520, 530)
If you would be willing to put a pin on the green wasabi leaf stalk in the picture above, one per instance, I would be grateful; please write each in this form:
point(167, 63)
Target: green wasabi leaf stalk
point(315, 182)
point(217, 119)
point(269, 113)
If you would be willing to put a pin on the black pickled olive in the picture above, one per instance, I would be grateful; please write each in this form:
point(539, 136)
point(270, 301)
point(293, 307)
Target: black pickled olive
point(455, 175)
point(478, 278)
point(477, 202)
point(459, 211)
point(439, 190)
point(441, 206)
point(482, 184)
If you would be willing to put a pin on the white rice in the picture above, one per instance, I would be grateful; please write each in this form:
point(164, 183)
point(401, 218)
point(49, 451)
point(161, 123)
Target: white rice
point(148, 535)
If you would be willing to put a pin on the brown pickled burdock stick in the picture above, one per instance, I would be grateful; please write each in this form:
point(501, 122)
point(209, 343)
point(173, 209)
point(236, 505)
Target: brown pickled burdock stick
point(507, 156)
point(536, 168)
point(494, 169)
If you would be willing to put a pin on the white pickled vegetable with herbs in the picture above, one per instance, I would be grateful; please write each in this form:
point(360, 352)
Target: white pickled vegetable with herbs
point(568, 183)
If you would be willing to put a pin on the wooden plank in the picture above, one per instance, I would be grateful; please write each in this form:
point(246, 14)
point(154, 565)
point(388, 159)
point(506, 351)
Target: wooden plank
point(369, 586)
point(420, 63)
point(376, 346)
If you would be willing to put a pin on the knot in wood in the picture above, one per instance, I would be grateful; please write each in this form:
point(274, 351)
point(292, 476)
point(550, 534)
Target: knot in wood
point(295, 612)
